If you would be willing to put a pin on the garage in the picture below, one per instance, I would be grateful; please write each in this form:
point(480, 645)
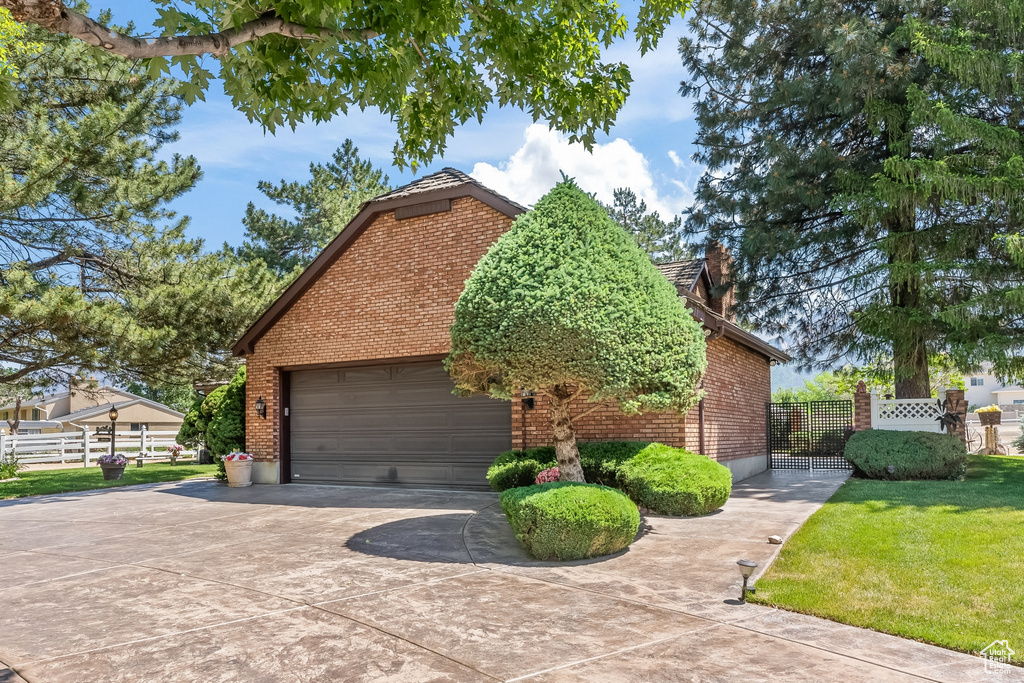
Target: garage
point(392, 425)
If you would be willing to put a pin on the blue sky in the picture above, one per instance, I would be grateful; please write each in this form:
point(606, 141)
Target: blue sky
point(648, 149)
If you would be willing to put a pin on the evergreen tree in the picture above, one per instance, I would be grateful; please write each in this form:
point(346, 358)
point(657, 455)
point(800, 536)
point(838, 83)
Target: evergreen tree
point(323, 206)
point(95, 273)
point(567, 305)
point(864, 161)
point(663, 240)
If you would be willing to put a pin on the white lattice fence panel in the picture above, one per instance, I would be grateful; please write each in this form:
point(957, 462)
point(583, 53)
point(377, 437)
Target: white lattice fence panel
point(906, 414)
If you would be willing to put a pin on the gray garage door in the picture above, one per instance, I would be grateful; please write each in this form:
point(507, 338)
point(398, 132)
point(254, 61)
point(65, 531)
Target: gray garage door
point(396, 425)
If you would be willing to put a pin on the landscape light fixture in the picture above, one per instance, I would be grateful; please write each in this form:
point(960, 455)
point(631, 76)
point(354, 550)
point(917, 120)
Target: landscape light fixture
point(113, 429)
point(747, 568)
point(261, 407)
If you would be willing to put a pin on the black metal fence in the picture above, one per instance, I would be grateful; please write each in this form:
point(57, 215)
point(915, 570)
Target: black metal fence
point(809, 435)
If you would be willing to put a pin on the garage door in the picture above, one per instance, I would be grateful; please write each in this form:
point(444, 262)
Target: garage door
point(395, 425)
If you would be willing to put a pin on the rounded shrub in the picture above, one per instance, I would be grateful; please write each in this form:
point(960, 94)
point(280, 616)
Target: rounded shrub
point(514, 469)
point(674, 481)
point(910, 455)
point(600, 461)
point(570, 521)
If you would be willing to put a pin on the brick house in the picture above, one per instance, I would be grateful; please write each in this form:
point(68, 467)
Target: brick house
point(348, 359)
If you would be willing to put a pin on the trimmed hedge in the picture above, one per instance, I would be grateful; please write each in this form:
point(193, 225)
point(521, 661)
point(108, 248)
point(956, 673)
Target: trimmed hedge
point(600, 462)
point(912, 455)
point(673, 481)
point(665, 480)
point(570, 521)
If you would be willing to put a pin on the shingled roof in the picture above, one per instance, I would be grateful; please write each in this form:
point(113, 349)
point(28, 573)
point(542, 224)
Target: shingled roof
point(445, 179)
point(683, 273)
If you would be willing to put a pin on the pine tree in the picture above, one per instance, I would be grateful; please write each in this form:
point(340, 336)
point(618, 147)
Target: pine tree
point(96, 274)
point(663, 240)
point(323, 206)
point(864, 162)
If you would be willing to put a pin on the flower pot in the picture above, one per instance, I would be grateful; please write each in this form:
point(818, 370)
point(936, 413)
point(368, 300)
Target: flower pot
point(990, 418)
point(112, 472)
point(239, 472)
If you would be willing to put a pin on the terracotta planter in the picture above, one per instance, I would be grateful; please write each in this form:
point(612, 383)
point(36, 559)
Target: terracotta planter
point(992, 418)
point(239, 472)
point(112, 472)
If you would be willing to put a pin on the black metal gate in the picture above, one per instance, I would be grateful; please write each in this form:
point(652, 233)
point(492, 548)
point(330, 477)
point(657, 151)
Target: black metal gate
point(809, 435)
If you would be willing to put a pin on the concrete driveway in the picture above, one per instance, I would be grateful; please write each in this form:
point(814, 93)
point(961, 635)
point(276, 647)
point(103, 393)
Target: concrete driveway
point(194, 581)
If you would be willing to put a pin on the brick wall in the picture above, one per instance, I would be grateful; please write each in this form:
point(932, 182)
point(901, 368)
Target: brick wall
point(738, 389)
point(390, 295)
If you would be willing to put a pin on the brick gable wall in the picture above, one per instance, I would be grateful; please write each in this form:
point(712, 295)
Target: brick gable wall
point(737, 390)
point(391, 294)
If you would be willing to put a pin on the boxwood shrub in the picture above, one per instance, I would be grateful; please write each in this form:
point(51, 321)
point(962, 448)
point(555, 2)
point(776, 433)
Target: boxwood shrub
point(600, 461)
point(570, 521)
point(674, 481)
point(911, 455)
point(665, 480)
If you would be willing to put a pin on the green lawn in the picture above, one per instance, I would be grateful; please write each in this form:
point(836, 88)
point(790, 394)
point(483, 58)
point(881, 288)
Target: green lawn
point(937, 561)
point(86, 478)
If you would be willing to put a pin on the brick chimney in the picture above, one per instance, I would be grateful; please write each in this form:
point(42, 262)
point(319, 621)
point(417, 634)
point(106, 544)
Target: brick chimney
point(719, 262)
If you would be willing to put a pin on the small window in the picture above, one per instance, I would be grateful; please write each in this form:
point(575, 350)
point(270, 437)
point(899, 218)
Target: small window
point(1018, 401)
point(6, 416)
point(35, 413)
point(977, 381)
point(139, 426)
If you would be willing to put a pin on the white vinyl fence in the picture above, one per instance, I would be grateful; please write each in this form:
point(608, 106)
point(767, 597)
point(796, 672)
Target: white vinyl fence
point(906, 414)
point(86, 446)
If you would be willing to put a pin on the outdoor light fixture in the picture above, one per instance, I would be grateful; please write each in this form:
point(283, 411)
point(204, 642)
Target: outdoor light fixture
point(747, 568)
point(113, 429)
point(527, 397)
point(261, 407)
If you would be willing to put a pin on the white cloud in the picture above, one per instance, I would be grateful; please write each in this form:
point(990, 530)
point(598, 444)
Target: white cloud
point(537, 166)
point(676, 161)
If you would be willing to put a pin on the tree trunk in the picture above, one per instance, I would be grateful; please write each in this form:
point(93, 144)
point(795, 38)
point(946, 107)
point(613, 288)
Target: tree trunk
point(566, 452)
point(13, 424)
point(909, 345)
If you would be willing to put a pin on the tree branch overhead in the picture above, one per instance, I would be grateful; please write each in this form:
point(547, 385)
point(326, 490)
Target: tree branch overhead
point(55, 17)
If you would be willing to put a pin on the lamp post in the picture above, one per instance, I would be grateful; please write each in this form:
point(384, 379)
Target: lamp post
point(113, 428)
point(747, 568)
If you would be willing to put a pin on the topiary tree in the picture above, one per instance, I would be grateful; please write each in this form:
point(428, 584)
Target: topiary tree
point(193, 426)
point(566, 304)
point(225, 408)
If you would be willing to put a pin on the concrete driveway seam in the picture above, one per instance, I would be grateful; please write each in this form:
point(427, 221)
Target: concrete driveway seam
point(147, 639)
point(604, 655)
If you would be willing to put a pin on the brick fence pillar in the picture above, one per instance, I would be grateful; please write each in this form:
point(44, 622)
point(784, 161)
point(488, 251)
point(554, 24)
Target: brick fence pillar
point(957, 403)
point(861, 408)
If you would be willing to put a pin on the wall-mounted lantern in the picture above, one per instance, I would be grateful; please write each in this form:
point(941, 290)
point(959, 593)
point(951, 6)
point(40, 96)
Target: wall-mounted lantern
point(527, 398)
point(261, 407)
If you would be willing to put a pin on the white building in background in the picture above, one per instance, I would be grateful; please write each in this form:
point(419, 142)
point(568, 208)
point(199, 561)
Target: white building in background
point(984, 389)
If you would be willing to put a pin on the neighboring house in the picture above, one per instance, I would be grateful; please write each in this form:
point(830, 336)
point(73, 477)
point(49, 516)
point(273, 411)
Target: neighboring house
point(348, 359)
point(88, 407)
point(984, 388)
